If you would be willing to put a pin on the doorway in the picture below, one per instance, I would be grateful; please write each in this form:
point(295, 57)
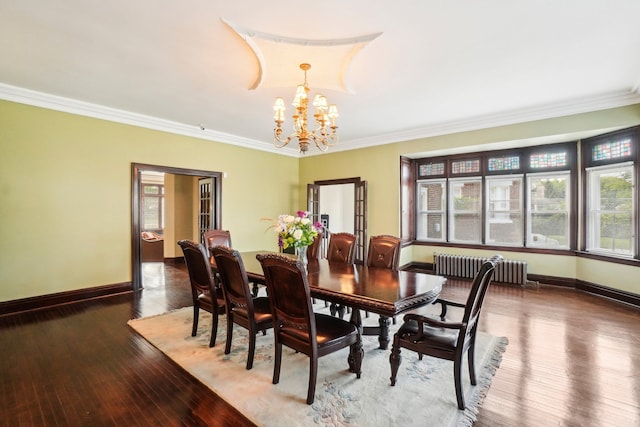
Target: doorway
point(136, 207)
point(341, 205)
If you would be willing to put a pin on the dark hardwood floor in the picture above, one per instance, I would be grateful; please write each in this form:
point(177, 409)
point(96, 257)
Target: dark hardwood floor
point(573, 360)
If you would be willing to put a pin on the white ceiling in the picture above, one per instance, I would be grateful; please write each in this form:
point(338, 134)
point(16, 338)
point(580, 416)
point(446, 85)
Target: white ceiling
point(437, 66)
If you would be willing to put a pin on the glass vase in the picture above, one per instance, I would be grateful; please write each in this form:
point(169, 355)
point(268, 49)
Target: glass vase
point(301, 252)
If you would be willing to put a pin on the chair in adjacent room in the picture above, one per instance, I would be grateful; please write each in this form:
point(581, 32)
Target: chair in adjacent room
point(342, 248)
point(445, 339)
point(295, 325)
point(203, 289)
point(253, 314)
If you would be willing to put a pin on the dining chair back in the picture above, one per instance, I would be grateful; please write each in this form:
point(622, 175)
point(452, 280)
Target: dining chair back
point(216, 237)
point(443, 339)
point(295, 324)
point(384, 252)
point(203, 289)
point(241, 307)
point(342, 248)
point(213, 238)
point(313, 252)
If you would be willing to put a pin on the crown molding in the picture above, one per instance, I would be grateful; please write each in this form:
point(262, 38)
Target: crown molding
point(68, 105)
point(566, 108)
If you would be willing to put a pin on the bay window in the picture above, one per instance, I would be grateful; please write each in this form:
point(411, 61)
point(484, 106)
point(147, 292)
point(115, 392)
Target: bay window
point(536, 198)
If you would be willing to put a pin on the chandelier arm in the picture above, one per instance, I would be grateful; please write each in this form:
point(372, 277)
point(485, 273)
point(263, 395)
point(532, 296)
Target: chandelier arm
point(279, 143)
point(320, 141)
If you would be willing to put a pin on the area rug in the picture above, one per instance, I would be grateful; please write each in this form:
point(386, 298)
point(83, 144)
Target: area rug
point(424, 394)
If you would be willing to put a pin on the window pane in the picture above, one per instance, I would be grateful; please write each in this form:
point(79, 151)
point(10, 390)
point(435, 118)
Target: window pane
point(431, 202)
point(612, 150)
point(504, 211)
point(610, 222)
point(548, 160)
point(548, 224)
point(151, 215)
point(504, 163)
point(431, 169)
point(465, 212)
point(465, 166)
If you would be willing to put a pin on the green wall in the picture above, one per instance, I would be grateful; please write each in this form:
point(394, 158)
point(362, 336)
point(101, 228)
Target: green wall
point(65, 193)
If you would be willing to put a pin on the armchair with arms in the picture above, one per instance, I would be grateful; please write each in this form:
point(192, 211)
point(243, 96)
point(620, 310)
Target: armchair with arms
point(444, 339)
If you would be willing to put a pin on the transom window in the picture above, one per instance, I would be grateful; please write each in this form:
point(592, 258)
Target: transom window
point(612, 150)
point(548, 160)
point(431, 169)
point(465, 166)
point(504, 163)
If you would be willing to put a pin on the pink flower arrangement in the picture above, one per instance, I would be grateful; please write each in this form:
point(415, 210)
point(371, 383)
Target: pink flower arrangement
point(296, 231)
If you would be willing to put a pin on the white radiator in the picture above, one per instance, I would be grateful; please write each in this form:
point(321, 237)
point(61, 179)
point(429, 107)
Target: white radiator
point(466, 266)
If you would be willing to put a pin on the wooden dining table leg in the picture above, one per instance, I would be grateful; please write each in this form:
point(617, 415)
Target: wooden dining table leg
point(356, 353)
point(382, 331)
point(383, 337)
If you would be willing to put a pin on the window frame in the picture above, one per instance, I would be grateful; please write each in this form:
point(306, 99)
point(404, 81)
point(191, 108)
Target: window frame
point(450, 211)
point(443, 211)
point(509, 211)
point(522, 168)
point(592, 211)
point(589, 163)
point(529, 239)
point(159, 199)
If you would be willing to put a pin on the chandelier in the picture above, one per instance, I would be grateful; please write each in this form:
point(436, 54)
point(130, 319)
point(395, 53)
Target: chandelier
point(323, 135)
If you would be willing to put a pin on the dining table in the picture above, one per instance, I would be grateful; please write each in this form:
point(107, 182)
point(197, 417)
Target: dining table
point(376, 290)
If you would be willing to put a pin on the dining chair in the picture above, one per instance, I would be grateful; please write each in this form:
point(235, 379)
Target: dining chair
point(313, 252)
point(213, 238)
point(217, 237)
point(443, 339)
point(253, 314)
point(296, 326)
point(342, 248)
point(384, 252)
point(203, 289)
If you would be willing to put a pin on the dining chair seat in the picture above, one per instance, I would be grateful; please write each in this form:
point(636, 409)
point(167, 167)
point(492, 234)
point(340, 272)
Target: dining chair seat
point(261, 310)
